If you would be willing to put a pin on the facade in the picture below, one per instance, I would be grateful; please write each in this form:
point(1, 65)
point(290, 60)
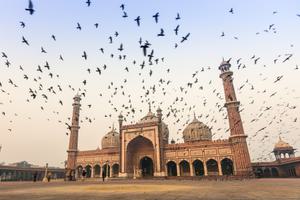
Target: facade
point(23, 171)
point(285, 165)
point(142, 149)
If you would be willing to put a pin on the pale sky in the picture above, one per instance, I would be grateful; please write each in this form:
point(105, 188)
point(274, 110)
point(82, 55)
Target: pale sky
point(266, 30)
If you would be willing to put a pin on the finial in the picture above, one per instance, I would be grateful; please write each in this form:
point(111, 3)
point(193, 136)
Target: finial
point(113, 127)
point(194, 115)
point(149, 106)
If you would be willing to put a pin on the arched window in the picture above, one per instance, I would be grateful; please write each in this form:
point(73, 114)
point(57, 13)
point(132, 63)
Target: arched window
point(172, 168)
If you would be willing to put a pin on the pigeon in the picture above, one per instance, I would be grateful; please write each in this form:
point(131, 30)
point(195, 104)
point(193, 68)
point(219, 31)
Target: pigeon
point(30, 8)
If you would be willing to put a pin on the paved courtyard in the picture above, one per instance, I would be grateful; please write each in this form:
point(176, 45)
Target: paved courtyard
point(153, 189)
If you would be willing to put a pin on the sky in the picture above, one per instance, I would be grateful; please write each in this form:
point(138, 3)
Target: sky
point(264, 30)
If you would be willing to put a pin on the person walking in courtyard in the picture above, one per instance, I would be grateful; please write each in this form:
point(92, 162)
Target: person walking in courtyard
point(49, 176)
point(34, 176)
point(103, 175)
point(83, 174)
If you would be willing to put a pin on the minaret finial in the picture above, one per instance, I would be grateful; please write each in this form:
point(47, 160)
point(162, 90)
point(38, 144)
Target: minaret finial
point(149, 106)
point(113, 127)
point(194, 115)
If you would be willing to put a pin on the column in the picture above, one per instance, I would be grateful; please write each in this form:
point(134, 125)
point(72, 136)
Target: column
point(92, 172)
point(205, 168)
point(110, 171)
point(191, 169)
point(220, 168)
point(178, 169)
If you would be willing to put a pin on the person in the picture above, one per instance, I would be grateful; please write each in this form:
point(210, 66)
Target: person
point(49, 176)
point(103, 175)
point(34, 176)
point(83, 174)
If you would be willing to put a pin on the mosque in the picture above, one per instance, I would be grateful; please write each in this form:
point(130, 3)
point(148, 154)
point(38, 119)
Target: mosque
point(142, 149)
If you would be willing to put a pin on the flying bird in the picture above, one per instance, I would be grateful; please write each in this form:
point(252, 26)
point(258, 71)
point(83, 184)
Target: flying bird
point(30, 8)
point(137, 20)
point(24, 40)
point(156, 17)
point(184, 38)
point(88, 2)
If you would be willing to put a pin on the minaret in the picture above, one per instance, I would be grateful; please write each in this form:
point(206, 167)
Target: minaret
point(237, 136)
point(120, 135)
point(73, 142)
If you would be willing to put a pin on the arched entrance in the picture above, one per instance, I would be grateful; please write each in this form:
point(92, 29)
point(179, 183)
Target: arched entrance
point(140, 157)
point(88, 170)
point(267, 173)
point(184, 168)
point(198, 168)
point(275, 172)
point(146, 165)
point(227, 166)
point(172, 169)
point(97, 170)
point(115, 170)
point(212, 167)
point(106, 170)
point(79, 171)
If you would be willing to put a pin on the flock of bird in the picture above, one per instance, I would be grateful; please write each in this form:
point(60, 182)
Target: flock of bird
point(176, 111)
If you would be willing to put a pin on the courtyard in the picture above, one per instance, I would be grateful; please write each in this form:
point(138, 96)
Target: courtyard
point(153, 189)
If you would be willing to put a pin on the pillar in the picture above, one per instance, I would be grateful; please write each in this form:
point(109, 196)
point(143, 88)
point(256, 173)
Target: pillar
point(191, 169)
point(220, 168)
point(178, 169)
point(92, 172)
point(205, 169)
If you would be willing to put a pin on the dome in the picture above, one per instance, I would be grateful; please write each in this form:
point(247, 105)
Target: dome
point(282, 145)
point(196, 131)
point(111, 139)
point(151, 117)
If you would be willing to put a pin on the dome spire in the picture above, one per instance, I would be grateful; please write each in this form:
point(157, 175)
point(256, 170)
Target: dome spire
point(149, 106)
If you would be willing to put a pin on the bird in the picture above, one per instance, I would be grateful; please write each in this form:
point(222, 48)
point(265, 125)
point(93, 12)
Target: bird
point(96, 25)
point(144, 47)
point(88, 2)
point(176, 30)
point(43, 50)
point(84, 55)
point(122, 6)
point(156, 17)
point(22, 24)
point(231, 10)
point(162, 33)
point(30, 8)
point(25, 41)
point(223, 34)
point(121, 47)
point(137, 20)
point(124, 14)
point(53, 37)
point(184, 38)
point(78, 26)
point(177, 16)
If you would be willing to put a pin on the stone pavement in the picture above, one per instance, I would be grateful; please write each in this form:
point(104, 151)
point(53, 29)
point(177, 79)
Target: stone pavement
point(153, 189)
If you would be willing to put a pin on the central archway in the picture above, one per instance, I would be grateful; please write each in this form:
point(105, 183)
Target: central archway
point(146, 165)
point(138, 150)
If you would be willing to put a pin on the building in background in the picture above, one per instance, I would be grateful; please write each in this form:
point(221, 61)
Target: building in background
point(23, 171)
point(285, 165)
point(143, 150)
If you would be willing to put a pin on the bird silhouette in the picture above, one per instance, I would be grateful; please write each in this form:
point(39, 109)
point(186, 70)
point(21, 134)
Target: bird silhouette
point(137, 20)
point(30, 8)
point(184, 38)
point(156, 17)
